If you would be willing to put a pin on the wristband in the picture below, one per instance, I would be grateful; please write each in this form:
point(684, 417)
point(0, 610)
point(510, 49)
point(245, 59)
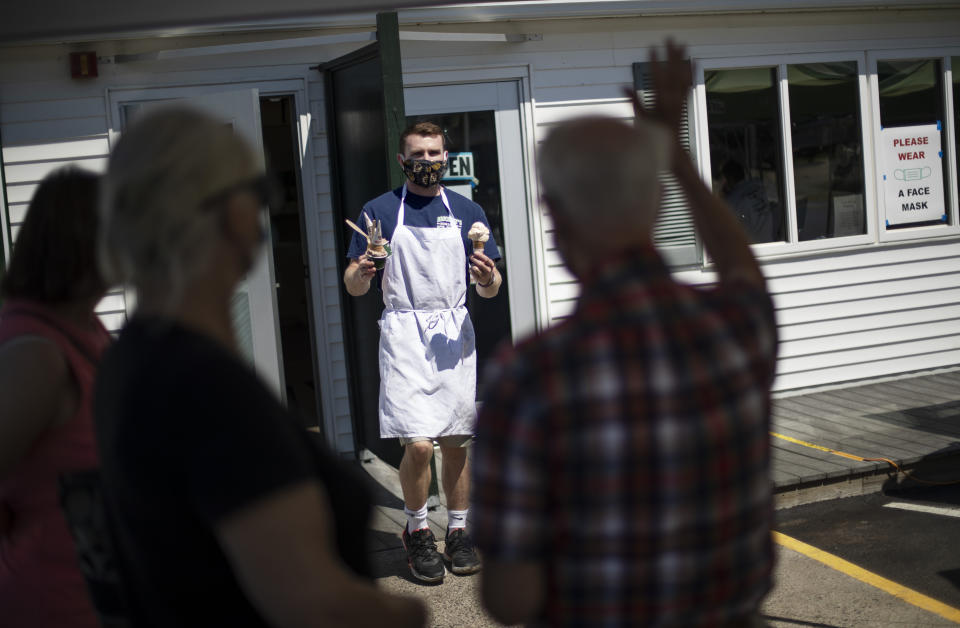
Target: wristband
point(488, 284)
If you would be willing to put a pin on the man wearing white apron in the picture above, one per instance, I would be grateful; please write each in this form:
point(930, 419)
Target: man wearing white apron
point(427, 350)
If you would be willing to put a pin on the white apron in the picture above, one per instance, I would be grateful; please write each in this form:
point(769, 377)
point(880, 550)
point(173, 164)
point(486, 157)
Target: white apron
point(428, 363)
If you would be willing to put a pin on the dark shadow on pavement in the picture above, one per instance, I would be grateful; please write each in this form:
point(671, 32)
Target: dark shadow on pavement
point(380, 496)
point(941, 418)
point(393, 562)
point(798, 622)
point(924, 480)
point(952, 576)
point(378, 541)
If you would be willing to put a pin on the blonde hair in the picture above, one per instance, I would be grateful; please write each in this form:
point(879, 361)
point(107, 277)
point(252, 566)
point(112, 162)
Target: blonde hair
point(599, 171)
point(167, 165)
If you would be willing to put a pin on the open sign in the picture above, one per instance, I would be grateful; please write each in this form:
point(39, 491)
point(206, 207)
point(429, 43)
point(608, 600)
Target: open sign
point(460, 166)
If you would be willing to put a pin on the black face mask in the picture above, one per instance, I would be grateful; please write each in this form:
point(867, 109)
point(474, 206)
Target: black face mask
point(424, 172)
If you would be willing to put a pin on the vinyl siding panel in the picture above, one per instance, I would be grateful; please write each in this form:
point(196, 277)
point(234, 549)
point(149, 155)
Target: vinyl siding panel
point(877, 313)
point(874, 311)
point(343, 437)
point(37, 141)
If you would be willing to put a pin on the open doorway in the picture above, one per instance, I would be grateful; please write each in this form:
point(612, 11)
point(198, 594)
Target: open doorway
point(291, 267)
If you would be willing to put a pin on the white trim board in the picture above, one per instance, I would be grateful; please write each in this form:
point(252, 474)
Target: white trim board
point(48, 21)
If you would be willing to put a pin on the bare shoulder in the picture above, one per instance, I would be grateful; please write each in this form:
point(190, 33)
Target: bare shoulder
point(36, 392)
point(32, 358)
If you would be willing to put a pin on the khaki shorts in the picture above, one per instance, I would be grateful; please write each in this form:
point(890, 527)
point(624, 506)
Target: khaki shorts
point(449, 442)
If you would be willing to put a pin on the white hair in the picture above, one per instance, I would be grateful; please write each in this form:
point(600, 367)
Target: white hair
point(168, 164)
point(599, 171)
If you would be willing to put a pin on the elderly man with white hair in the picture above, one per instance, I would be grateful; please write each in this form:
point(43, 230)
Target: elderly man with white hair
point(622, 457)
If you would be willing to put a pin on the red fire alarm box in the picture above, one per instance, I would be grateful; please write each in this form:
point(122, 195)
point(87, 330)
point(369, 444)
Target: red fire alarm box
point(83, 65)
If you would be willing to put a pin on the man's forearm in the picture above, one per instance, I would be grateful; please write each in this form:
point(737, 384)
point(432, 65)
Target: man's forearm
point(723, 236)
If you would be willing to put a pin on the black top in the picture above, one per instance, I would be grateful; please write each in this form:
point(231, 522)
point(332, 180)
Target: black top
point(188, 434)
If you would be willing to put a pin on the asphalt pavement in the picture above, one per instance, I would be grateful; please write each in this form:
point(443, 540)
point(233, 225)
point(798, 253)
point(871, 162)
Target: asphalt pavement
point(907, 538)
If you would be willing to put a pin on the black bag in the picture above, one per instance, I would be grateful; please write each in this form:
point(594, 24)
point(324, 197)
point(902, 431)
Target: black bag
point(81, 499)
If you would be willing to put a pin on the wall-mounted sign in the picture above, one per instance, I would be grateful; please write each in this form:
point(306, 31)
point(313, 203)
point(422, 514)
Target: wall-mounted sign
point(912, 174)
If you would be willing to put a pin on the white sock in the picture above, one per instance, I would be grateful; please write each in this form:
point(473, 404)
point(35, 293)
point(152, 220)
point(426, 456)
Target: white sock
point(456, 519)
point(416, 519)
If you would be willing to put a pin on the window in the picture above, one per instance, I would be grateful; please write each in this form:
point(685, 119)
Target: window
point(816, 151)
point(786, 149)
point(826, 133)
point(743, 113)
point(913, 140)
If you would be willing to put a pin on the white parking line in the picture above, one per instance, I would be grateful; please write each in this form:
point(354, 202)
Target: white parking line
point(933, 510)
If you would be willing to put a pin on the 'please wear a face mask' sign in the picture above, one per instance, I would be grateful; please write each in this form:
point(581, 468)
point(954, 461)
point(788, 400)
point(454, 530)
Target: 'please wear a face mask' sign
point(912, 174)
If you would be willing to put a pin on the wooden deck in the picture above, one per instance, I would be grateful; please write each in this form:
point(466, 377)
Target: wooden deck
point(915, 422)
point(908, 421)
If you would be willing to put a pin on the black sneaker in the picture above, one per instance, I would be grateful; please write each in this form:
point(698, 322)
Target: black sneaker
point(460, 551)
point(422, 555)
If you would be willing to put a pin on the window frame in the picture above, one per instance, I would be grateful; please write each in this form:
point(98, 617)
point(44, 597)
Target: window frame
point(949, 144)
point(780, 62)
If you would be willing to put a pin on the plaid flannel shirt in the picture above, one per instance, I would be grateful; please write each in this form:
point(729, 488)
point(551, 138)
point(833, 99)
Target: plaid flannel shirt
point(626, 450)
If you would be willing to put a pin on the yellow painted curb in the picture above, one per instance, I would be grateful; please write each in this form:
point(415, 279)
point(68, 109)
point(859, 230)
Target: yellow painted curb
point(889, 586)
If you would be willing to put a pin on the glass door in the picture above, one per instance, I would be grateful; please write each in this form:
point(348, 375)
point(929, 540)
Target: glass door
point(481, 122)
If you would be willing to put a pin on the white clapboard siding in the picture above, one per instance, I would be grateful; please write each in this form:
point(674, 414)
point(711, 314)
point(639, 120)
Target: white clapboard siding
point(76, 149)
point(112, 311)
point(799, 317)
point(847, 326)
point(41, 135)
point(866, 314)
point(343, 426)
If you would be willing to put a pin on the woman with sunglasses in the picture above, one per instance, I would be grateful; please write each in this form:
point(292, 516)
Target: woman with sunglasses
point(222, 510)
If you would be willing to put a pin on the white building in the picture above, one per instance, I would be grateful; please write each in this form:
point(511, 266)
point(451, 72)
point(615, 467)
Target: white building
point(860, 240)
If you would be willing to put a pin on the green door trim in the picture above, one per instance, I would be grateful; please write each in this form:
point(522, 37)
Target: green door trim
point(394, 110)
point(7, 246)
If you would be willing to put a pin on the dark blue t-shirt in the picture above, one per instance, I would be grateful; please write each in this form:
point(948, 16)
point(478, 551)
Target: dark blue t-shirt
point(421, 211)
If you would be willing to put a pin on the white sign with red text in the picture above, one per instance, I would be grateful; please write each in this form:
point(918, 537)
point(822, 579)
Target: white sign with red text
point(912, 174)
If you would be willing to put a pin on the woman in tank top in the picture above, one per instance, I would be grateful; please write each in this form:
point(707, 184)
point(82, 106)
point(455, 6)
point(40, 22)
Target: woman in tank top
point(50, 344)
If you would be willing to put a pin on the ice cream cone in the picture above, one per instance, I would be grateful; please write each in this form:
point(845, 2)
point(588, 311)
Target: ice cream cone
point(479, 233)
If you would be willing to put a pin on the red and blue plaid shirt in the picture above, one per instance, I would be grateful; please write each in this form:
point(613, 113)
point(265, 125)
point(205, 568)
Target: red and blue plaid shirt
point(626, 450)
